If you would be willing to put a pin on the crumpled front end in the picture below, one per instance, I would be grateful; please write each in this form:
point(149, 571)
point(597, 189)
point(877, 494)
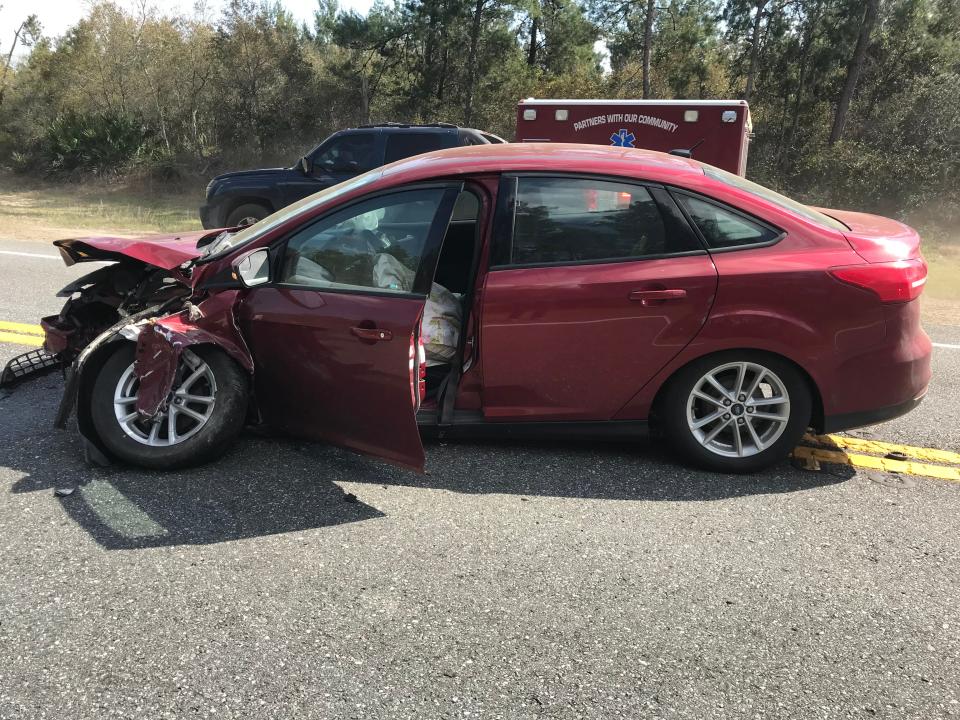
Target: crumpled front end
point(151, 293)
point(161, 341)
point(145, 274)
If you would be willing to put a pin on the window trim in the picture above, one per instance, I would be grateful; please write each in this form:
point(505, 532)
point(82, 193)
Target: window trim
point(505, 221)
point(779, 233)
point(432, 245)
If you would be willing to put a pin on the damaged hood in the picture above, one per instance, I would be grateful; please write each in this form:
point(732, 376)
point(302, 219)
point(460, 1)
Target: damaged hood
point(162, 251)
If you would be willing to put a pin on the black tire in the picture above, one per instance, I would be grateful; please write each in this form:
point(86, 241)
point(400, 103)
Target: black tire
point(247, 214)
point(225, 421)
point(672, 413)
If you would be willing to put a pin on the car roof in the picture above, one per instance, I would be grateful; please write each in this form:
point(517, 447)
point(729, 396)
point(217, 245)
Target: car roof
point(542, 157)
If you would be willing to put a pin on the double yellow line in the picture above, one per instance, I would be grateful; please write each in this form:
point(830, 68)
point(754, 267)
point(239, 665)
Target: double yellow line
point(882, 456)
point(21, 334)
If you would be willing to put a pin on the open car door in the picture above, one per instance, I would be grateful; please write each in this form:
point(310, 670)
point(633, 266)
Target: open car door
point(334, 333)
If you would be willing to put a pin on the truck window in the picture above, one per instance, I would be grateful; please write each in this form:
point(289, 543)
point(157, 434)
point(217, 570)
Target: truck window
point(347, 153)
point(404, 145)
point(568, 220)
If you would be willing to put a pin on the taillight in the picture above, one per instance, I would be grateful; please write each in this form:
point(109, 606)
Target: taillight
point(892, 282)
point(412, 365)
point(421, 368)
point(418, 370)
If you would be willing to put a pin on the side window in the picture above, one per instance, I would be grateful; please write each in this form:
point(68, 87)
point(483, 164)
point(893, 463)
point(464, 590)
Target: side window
point(376, 244)
point(347, 153)
point(404, 145)
point(579, 220)
point(723, 228)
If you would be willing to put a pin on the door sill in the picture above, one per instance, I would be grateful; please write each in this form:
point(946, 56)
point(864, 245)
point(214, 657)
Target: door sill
point(471, 423)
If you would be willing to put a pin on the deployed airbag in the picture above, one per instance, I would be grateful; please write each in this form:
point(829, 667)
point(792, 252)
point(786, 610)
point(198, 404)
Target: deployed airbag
point(442, 314)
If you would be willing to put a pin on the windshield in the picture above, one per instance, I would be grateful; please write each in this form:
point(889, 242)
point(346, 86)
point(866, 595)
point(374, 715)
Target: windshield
point(226, 241)
point(769, 195)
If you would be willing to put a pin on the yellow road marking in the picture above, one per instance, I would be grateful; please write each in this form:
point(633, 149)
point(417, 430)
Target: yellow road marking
point(19, 339)
point(21, 328)
point(878, 463)
point(875, 447)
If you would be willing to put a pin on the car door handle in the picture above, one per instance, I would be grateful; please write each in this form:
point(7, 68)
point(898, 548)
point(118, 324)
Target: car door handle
point(372, 334)
point(649, 297)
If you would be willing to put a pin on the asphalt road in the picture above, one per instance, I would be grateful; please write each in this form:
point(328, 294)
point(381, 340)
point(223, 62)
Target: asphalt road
point(514, 580)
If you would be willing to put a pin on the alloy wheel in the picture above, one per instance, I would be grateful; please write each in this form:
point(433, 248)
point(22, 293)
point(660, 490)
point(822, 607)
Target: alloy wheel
point(188, 409)
point(738, 409)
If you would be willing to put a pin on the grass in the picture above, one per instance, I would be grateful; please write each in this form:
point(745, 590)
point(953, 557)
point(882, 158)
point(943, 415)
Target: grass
point(36, 210)
point(941, 248)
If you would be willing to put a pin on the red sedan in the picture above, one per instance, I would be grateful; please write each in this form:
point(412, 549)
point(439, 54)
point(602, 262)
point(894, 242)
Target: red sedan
point(502, 289)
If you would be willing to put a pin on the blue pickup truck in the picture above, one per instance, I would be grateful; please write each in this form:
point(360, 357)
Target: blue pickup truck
point(246, 196)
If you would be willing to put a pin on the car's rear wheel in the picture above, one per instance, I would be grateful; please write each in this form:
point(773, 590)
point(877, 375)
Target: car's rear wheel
point(246, 214)
point(203, 414)
point(736, 411)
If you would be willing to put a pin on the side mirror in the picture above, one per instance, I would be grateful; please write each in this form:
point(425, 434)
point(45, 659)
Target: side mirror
point(305, 165)
point(254, 268)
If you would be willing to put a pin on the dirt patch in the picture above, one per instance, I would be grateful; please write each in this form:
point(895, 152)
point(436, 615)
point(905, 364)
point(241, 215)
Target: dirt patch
point(940, 311)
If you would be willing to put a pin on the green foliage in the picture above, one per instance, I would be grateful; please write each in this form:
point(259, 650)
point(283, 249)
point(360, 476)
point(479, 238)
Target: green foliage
point(179, 94)
point(93, 142)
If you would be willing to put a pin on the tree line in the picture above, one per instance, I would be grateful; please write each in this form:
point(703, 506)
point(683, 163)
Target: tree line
point(854, 102)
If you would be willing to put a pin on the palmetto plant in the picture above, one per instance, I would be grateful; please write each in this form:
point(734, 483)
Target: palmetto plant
point(94, 142)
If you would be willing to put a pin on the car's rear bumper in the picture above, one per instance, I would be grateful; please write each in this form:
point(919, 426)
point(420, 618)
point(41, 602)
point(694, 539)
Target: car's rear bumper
point(884, 381)
point(848, 421)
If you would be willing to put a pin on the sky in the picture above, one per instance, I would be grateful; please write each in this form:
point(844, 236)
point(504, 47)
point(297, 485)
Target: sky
point(56, 16)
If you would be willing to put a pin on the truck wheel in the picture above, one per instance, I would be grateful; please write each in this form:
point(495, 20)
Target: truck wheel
point(206, 411)
point(246, 214)
point(736, 412)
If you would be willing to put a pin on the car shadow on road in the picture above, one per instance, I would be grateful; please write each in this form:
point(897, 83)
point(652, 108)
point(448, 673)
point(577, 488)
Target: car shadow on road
point(266, 486)
point(640, 469)
point(253, 492)
point(259, 488)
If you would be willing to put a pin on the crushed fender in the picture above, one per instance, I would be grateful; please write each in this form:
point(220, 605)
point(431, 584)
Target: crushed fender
point(158, 354)
point(161, 341)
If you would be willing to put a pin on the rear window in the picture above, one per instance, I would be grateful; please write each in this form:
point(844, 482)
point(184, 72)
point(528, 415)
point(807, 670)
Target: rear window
point(772, 196)
point(571, 220)
point(723, 228)
point(404, 145)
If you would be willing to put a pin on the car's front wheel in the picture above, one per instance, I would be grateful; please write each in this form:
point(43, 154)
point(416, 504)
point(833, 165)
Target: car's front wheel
point(736, 412)
point(205, 411)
